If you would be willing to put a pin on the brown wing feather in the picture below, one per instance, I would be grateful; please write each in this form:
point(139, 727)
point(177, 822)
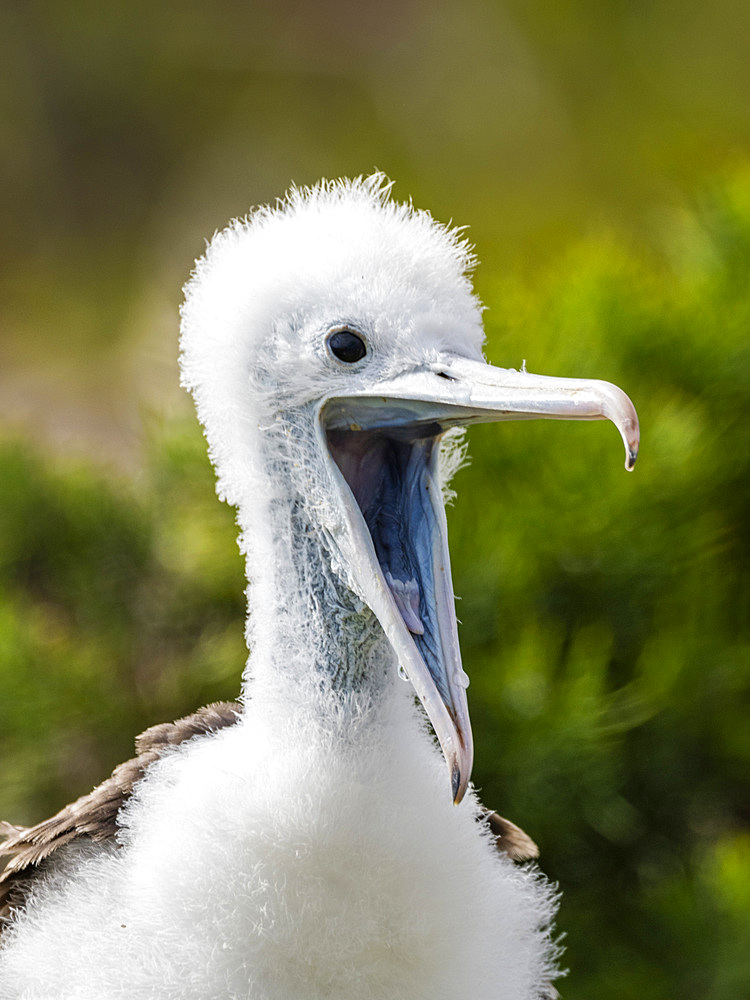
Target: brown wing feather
point(95, 815)
point(509, 838)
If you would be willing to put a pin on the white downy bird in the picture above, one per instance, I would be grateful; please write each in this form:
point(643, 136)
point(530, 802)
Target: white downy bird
point(315, 847)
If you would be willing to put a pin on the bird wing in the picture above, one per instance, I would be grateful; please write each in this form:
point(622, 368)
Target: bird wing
point(509, 838)
point(95, 815)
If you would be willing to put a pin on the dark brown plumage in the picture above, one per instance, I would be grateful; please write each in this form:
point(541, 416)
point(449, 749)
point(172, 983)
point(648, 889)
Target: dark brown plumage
point(95, 815)
point(509, 838)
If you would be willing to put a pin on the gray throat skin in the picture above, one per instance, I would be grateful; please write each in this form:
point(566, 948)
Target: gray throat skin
point(323, 628)
point(339, 634)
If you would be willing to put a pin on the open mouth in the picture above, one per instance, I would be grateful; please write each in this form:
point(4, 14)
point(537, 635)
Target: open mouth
point(392, 476)
point(386, 451)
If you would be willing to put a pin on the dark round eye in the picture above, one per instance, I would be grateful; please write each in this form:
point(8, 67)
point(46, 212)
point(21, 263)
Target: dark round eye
point(346, 345)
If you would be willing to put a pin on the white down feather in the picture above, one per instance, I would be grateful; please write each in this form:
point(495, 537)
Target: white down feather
point(277, 863)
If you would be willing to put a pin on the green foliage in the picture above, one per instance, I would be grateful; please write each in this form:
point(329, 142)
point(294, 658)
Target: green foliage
point(606, 617)
point(119, 607)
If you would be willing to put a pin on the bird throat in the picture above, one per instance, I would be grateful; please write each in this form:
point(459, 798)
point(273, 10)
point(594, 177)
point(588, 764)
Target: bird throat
point(346, 642)
point(306, 624)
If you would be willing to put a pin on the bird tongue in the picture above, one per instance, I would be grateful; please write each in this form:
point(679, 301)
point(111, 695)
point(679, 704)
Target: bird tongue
point(406, 595)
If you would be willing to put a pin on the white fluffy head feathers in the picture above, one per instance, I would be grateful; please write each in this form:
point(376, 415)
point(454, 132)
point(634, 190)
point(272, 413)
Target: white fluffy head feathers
point(270, 286)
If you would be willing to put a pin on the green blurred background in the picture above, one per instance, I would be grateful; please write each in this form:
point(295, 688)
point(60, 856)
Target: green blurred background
point(600, 152)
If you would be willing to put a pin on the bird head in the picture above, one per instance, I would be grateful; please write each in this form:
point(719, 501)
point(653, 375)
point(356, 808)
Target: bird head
point(342, 327)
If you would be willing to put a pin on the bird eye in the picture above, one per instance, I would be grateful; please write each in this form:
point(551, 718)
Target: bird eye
point(347, 346)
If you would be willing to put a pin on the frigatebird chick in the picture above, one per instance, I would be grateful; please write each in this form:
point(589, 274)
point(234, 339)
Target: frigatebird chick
point(312, 843)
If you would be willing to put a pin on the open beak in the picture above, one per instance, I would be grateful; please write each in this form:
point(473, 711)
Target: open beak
point(384, 442)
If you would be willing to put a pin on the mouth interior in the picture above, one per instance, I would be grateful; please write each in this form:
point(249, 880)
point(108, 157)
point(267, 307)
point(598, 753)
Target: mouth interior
point(391, 475)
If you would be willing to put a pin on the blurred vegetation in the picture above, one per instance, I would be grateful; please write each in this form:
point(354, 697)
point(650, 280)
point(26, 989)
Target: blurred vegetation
point(600, 150)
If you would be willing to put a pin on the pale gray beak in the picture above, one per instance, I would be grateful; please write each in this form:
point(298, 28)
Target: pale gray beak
point(385, 442)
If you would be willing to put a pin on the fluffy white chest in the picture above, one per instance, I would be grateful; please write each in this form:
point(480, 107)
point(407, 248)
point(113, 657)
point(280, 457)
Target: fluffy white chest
point(259, 866)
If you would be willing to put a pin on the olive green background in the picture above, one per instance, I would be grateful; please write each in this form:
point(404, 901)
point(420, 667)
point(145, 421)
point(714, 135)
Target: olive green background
point(600, 153)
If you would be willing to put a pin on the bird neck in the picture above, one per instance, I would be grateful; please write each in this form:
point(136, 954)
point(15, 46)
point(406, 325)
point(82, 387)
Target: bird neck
point(307, 629)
